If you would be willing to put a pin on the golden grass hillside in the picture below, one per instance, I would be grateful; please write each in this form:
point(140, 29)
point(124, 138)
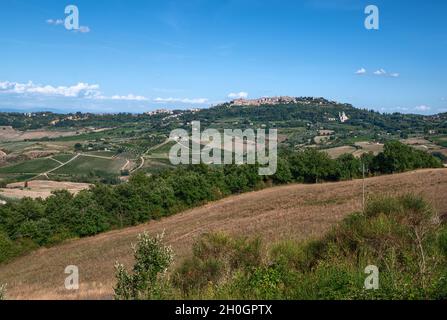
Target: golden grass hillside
point(288, 212)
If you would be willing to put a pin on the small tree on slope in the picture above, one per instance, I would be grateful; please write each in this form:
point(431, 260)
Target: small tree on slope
point(2, 291)
point(152, 258)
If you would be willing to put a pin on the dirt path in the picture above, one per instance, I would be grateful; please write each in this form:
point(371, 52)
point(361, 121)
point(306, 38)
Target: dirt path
point(63, 164)
point(96, 156)
point(125, 165)
point(51, 158)
point(157, 146)
point(140, 166)
point(58, 167)
point(288, 212)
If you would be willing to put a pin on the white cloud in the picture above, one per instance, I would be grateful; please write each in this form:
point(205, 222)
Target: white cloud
point(238, 95)
point(129, 97)
point(78, 90)
point(361, 71)
point(83, 29)
point(380, 72)
point(422, 108)
point(182, 100)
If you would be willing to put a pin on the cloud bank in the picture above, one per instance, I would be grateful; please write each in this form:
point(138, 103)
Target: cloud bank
point(80, 90)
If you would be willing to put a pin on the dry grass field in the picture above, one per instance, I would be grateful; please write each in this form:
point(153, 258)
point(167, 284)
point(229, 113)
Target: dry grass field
point(334, 153)
point(40, 189)
point(357, 151)
point(9, 134)
point(287, 212)
point(367, 146)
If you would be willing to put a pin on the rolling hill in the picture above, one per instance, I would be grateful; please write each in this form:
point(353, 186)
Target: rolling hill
point(289, 212)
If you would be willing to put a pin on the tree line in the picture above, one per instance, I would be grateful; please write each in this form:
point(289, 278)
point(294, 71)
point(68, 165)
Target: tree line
point(28, 224)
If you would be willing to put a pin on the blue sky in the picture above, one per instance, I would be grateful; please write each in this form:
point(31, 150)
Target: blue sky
point(136, 56)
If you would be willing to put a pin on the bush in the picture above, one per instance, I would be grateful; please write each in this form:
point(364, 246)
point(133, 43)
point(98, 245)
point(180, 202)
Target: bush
point(216, 259)
point(7, 249)
point(2, 291)
point(152, 258)
point(442, 241)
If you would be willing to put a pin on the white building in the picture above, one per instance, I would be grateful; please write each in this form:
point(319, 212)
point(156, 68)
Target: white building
point(343, 117)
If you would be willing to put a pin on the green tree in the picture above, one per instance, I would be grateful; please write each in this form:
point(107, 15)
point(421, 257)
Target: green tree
point(6, 247)
point(283, 173)
point(312, 166)
point(349, 167)
point(78, 147)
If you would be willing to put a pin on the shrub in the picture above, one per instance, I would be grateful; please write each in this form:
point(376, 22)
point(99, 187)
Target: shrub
point(262, 283)
point(7, 249)
point(216, 259)
point(442, 241)
point(2, 291)
point(152, 258)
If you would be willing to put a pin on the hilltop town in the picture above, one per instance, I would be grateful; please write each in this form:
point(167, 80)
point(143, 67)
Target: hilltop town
point(280, 100)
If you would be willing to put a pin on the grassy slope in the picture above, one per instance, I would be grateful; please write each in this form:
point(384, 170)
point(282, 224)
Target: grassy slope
point(294, 211)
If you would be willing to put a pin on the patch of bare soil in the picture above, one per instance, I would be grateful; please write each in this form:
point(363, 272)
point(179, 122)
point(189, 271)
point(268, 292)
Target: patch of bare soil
point(34, 154)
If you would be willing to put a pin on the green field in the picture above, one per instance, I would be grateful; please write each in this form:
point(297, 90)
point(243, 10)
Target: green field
point(86, 165)
point(162, 151)
point(9, 178)
point(440, 140)
point(63, 157)
point(31, 166)
point(153, 166)
point(15, 146)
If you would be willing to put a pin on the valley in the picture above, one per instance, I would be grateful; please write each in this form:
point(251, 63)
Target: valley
point(91, 148)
